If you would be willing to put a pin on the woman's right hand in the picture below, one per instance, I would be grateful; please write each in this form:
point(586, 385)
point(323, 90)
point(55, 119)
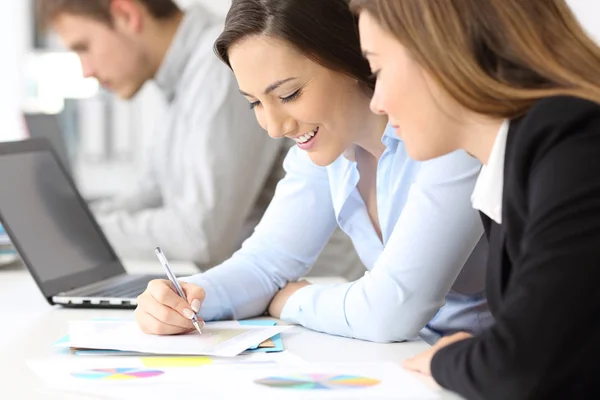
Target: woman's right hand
point(161, 311)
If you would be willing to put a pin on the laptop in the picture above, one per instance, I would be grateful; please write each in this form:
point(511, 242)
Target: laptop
point(56, 234)
point(47, 126)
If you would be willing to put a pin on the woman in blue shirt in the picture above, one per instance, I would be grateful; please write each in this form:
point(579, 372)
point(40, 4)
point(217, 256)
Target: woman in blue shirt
point(300, 66)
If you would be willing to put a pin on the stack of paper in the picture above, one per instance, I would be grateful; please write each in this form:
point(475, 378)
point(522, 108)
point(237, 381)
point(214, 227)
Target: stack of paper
point(221, 339)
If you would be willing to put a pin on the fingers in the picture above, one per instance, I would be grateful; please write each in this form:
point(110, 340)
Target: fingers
point(420, 363)
point(411, 364)
point(164, 294)
point(163, 313)
point(194, 294)
point(150, 325)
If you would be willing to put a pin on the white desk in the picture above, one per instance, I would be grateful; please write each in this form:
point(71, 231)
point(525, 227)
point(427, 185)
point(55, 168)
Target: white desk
point(29, 326)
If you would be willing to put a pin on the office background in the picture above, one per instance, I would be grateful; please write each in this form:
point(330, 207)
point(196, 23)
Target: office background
point(108, 136)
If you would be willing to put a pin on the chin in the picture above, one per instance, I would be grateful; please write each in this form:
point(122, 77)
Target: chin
point(419, 156)
point(322, 159)
point(128, 93)
point(425, 154)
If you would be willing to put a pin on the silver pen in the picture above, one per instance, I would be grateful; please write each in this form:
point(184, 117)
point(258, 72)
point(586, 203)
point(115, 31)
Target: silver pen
point(173, 279)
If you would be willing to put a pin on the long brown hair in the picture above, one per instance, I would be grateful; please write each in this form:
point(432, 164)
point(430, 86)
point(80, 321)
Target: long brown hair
point(495, 57)
point(324, 30)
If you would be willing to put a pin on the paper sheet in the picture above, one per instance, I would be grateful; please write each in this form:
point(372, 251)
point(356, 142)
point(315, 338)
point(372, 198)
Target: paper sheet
point(126, 378)
point(273, 345)
point(219, 339)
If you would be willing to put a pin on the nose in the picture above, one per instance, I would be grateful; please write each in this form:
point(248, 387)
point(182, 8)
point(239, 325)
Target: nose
point(86, 69)
point(376, 104)
point(279, 124)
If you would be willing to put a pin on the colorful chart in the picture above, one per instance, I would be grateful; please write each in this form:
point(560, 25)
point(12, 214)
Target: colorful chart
point(117, 374)
point(318, 382)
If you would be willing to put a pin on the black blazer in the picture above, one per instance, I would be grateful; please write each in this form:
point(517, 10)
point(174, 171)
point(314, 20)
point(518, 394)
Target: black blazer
point(543, 281)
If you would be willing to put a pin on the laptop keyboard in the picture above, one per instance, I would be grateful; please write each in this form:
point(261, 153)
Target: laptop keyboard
point(126, 290)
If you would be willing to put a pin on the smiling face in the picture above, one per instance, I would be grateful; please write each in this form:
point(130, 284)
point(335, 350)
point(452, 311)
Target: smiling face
point(427, 119)
point(295, 97)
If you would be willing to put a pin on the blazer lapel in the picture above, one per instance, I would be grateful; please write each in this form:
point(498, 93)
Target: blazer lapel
point(501, 251)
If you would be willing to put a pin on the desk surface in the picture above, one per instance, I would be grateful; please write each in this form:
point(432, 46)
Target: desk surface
point(30, 326)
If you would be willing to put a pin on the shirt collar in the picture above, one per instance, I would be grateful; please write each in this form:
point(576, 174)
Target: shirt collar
point(487, 196)
point(389, 139)
point(180, 51)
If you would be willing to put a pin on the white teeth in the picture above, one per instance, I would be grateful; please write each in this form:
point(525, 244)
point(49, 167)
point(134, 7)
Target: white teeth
point(306, 137)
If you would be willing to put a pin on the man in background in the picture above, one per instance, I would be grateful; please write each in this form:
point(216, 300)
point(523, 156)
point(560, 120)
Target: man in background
point(212, 170)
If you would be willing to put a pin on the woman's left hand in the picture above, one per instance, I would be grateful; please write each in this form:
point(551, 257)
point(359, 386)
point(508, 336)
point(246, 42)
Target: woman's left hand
point(422, 362)
point(278, 302)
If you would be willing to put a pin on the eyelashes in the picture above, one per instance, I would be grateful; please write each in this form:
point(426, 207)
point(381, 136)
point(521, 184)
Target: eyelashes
point(293, 97)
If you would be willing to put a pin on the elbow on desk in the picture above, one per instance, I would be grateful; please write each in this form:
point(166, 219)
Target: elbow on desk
point(388, 327)
point(384, 333)
point(379, 309)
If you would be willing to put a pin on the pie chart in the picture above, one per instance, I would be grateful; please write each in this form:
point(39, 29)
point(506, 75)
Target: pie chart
point(318, 382)
point(117, 374)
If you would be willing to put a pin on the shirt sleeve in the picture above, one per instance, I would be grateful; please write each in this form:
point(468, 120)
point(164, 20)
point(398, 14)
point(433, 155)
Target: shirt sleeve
point(547, 325)
point(285, 244)
point(431, 241)
point(144, 194)
point(224, 159)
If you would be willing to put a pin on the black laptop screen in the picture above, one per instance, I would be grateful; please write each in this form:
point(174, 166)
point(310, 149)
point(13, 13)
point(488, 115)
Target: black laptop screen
point(50, 224)
point(48, 127)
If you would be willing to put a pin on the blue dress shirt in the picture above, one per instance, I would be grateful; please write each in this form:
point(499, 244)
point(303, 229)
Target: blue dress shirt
point(415, 284)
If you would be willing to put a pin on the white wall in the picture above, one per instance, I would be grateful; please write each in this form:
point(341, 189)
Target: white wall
point(588, 12)
point(218, 6)
point(14, 45)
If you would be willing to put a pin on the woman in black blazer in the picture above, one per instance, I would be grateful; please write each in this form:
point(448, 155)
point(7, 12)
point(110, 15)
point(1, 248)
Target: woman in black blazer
point(516, 84)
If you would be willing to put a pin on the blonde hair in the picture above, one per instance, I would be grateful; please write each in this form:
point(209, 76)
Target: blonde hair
point(495, 57)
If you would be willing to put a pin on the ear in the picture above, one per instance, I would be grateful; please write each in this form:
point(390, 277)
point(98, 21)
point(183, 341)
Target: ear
point(127, 16)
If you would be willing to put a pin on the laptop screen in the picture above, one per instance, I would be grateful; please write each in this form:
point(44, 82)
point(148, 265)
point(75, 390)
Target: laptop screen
point(48, 127)
point(48, 221)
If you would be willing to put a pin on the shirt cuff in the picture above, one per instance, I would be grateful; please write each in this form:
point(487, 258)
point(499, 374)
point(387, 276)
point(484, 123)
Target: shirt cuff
point(320, 308)
point(293, 306)
point(213, 307)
